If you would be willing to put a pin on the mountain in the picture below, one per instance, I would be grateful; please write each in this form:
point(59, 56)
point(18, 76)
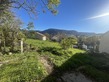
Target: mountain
point(67, 32)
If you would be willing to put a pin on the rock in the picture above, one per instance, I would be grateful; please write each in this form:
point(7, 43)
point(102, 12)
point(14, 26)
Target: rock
point(47, 64)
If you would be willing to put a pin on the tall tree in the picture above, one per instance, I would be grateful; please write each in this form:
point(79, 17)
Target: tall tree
point(10, 29)
point(30, 26)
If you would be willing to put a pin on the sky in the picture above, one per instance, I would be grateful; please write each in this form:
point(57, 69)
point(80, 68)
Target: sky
point(79, 15)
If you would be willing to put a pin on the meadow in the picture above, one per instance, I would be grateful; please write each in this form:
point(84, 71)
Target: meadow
point(27, 67)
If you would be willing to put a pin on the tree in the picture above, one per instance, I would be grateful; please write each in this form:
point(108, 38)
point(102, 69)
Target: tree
point(10, 27)
point(68, 42)
point(10, 32)
point(29, 5)
point(92, 41)
point(30, 26)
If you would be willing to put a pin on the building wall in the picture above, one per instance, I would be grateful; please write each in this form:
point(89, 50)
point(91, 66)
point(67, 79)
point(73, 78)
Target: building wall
point(84, 46)
point(40, 36)
point(104, 43)
point(44, 38)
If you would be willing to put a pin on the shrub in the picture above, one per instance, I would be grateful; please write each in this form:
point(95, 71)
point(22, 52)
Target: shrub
point(53, 50)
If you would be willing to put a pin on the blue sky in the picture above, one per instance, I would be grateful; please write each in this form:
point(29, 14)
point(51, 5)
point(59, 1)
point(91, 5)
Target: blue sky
point(79, 15)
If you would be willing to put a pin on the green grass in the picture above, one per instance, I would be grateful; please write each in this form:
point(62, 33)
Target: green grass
point(40, 43)
point(55, 52)
point(27, 67)
point(58, 60)
point(93, 66)
point(9, 57)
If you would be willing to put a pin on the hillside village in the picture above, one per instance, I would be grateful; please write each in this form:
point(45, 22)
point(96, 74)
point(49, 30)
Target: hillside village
point(87, 42)
point(28, 54)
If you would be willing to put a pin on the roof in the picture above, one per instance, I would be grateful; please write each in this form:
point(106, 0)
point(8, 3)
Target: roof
point(40, 34)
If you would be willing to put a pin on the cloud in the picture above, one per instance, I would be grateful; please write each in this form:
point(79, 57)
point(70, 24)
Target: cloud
point(98, 16)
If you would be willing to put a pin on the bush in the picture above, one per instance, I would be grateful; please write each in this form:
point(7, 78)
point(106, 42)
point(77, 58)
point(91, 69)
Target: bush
point(68, 42)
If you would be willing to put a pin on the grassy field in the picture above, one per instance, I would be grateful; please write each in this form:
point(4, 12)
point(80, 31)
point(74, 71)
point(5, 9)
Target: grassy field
point(28, 68)
point(40, 43)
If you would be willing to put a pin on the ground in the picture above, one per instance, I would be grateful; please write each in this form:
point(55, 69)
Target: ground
point(75, 77)
point(48, 62)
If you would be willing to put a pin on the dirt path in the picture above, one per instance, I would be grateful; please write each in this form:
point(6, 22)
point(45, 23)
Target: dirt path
point(47, 64)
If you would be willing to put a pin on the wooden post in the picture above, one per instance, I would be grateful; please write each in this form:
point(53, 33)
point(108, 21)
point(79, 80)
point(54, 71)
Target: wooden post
point(21, 43)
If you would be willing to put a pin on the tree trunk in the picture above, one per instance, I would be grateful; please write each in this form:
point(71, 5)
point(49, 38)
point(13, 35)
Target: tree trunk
point(12, 47)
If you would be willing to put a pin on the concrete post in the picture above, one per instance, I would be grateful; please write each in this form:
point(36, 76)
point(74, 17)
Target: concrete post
point(21, 42)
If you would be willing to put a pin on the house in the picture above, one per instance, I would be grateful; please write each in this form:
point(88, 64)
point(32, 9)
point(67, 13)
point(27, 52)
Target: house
point(40, 36)
point(84, 46)
point(104, 43)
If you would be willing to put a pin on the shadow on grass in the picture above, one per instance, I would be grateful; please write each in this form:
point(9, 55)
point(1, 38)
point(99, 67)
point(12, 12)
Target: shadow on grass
point(94, 66)
point(54, 50)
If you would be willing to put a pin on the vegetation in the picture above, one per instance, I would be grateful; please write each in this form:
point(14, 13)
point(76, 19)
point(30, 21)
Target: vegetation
point(68, 42)
point(29, 5)
point(93, 41)
point(27, 67)
point(10, 26)
point(10, 34)
point(40, 44)
point(30, 26)
point(22, 68)
point(93, 66)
